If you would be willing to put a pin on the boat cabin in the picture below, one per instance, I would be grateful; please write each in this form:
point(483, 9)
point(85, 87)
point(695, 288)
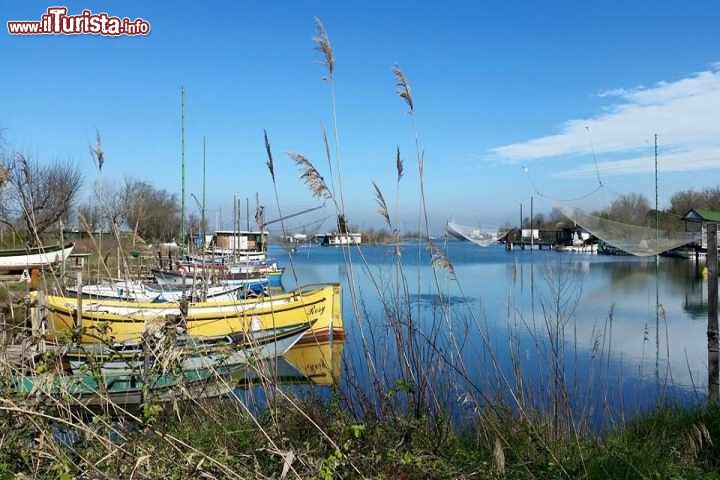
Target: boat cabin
point(244, 240)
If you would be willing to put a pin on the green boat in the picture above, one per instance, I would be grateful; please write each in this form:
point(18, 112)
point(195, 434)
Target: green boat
point(88, 389)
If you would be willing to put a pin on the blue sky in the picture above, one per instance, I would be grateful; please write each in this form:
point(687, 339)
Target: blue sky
point(503, 93)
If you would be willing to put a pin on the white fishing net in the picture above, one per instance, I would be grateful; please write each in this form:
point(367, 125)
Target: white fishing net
point(483, 237)
point(632, 239)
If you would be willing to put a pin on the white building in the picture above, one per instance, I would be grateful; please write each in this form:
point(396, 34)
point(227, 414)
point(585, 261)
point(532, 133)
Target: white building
point(335, 239)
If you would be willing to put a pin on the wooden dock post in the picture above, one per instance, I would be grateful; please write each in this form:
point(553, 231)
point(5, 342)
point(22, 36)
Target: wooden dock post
point(712, 327)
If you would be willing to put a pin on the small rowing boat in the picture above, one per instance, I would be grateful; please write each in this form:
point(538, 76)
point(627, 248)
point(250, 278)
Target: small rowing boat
point(187, 353)
point(34, 257)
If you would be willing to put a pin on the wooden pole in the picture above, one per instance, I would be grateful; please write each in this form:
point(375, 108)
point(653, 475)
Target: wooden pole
point(204, 216)
point(78, 286)
point(182, 165)
point(62, 255)
point(712, 328)
point(521, 224)
point(532, 236)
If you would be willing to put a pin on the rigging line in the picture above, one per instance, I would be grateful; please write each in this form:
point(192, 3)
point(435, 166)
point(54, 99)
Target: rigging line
point(592, 149)
point(537, 191)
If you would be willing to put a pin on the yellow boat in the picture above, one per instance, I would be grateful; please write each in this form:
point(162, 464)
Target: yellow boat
point(111, 321)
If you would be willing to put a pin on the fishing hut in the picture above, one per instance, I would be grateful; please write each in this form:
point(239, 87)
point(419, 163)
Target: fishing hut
point(697, 220)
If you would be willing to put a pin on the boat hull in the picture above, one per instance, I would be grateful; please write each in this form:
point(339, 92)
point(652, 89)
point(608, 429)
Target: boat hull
point(174, 279)
point(224, 352)
point(139, 292)
point(117, 321)
point(18, 260)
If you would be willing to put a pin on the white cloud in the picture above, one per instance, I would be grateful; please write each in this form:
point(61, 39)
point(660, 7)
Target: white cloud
point(685, 113)
point(679, 161)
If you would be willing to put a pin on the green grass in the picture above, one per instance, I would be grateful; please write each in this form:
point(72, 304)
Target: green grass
point(669, 443)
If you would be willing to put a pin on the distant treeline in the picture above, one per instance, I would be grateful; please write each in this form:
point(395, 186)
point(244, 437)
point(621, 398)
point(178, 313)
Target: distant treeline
point(36, 200)
point(635, 209)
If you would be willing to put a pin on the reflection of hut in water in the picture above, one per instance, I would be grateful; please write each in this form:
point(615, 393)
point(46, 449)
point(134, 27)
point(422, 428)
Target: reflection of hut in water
point(695, 300)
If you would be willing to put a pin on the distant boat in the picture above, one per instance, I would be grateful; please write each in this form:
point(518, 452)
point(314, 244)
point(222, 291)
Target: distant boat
point(34, 257)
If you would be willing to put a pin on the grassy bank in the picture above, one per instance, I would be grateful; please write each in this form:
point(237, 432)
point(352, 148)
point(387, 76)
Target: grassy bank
point(222, 442)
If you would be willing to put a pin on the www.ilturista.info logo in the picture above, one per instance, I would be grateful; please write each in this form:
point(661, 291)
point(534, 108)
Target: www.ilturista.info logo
point(57, 22)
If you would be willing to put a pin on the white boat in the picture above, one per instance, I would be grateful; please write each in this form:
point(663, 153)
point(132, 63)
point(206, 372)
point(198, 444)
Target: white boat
point(239, 255)
point(140, 292)
point(192, 353)
point(33, 257)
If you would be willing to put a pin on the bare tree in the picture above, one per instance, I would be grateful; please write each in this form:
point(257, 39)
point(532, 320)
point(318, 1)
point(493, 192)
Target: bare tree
point(91, 216)
point(629, 208)
point(35, 196)
point(151, 212)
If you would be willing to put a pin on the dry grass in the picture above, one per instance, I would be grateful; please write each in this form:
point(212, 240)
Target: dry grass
point(96, 151)
point(440, 259)
point(310, 175)
point(403, 88)
point(382, 205)
point(270, 164)
point(399, 165)
point(322, 44)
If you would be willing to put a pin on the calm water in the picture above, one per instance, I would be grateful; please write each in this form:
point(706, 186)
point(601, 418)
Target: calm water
point(616, 355)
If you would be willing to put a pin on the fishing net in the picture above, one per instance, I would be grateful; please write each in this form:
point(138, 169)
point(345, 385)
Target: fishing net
point(476, 235)
point(632, 239)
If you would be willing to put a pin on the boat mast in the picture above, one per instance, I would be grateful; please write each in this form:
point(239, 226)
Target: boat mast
point(203, 220)
point(182, 164)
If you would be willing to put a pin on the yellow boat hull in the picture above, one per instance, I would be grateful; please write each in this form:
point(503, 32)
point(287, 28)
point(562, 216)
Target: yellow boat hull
point(118, 321)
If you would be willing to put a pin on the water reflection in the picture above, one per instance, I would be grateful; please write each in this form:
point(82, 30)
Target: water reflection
point(309, 363)
point(614, 342)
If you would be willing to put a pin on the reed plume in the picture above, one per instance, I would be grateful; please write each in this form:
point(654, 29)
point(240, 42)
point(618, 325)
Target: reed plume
point(311, 176)
point(269, 163)
point(403, 88)
point(96, 152)
point(399, 165)
point(322, 44)
point(382, 205)
point(439, 259)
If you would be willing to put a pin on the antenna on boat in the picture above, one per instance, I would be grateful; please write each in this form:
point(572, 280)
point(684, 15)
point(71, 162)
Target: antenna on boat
point(182, 164)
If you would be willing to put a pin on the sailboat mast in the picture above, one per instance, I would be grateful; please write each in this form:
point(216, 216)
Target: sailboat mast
point(204, 220)
point(182, 164)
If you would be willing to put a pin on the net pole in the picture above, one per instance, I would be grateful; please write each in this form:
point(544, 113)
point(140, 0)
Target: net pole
point(657, 270)
point(532, 236)
point(712, 327)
